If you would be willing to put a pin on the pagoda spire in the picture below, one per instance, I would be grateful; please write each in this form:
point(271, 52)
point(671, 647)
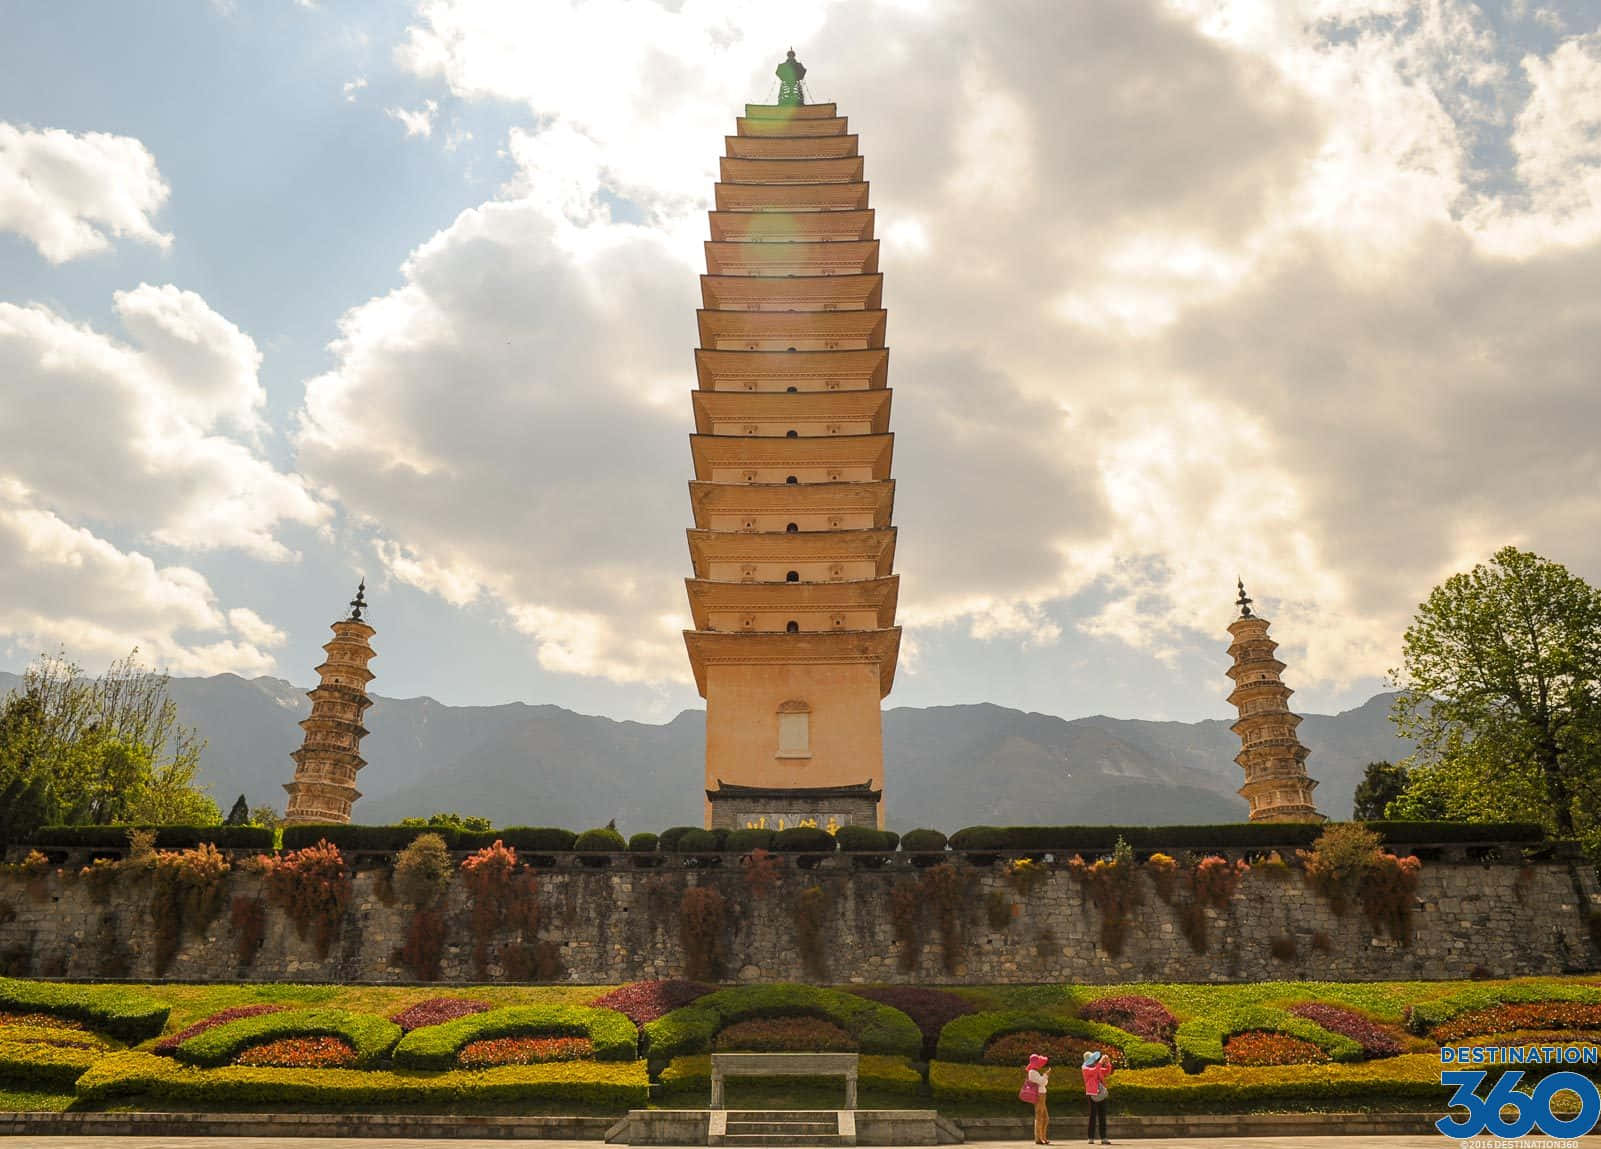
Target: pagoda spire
point(1277, 787)
point(324, 786)
point(790, 73)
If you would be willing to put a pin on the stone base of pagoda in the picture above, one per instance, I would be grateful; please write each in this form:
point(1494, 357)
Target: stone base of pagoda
point(781, 808)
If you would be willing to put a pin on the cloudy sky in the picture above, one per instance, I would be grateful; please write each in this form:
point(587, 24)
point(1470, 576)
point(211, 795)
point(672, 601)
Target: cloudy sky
point(290, 292)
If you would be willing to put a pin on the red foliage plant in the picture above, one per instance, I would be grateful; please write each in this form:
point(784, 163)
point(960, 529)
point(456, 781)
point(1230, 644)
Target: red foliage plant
point(312, 886)
point(642, 1002)
point(1566, 1015)
point(1255, 1047)
point(41, 1021)
point(1375, 1040)
point(785, 1035)
point(500, 897)
point(249, 918)
point(437, 1011)
point(1063, 1050)
point(1144, 1017)
point(424, 945)
point(931, 1009)
point(523, 1051)
point(300, 1053)
point(167, 1045)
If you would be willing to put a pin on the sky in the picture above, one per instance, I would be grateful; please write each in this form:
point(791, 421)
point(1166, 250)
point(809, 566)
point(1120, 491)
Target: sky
point(294, 293)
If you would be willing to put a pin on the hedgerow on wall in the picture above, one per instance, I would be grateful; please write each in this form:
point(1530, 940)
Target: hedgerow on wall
point(436, 1046)
point(311, 886)
point(371, 1037)
point(876, 1028)
point(966, 1038)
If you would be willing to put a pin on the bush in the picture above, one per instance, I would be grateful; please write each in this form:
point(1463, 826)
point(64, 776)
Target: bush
point(1248, 835)
point(1375, 1040)
point(923, 842)
point(642, 1002)
point(55, 1033)
point(876, 1028)
point(371, 1037)
point(423, 869)
point(929, 1009)
point(966, 1038)
point(53, 1067)
point(1408, 833)
point(123, 1014)
point(803, 840)
point(571, 1084)
point(695, 842)
point(1256, 1047)
point(524, 1051)
point(437, 1011)
point(1064, 1050)
point(691, 1077)
point(668, 842)
point(1426, 1015)
point(167, 837)
point(383, 839)
point(301, 1053)
point(312, 886)
point(866, 838)
point(1144, 1017)
point(745, 841)
point(643, 844)
point(529, 839)
point(437, 1046)
point(600, 841)
point(1200, 1040)
point(784, 1035)
point(168, 1046)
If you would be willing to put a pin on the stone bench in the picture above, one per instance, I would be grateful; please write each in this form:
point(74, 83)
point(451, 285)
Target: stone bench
point(784, 1065)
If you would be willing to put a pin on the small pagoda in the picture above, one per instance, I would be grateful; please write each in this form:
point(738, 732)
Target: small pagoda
point(324, 787)
point(793, 593)
point(1277, 786)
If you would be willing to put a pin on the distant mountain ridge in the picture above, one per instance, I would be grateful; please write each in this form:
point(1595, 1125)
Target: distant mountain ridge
point(945, 766)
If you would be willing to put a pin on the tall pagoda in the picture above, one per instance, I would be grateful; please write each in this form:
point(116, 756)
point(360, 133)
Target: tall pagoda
point(326, 763)
point(1277, 787)
point(793, 595)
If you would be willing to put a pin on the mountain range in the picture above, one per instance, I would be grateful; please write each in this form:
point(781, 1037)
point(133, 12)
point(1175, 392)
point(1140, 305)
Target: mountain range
point(945, 766)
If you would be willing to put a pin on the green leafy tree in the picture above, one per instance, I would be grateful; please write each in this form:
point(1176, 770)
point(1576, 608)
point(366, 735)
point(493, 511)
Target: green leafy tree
point(265, 815)
point(1501, 679)
point(450, 820)
point(1382, 783)
point(239, 814)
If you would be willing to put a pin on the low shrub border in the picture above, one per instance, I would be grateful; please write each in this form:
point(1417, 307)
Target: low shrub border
point(123, 1014)
point(613, 1087)
point(691, 1077)
point(1200, 1040)
point(371, 1037)
point(437, 1046)
point(878, 1029)
point(965, 1039)
point(51, 1066)
point(1239, 834)
point(1425, 1015)
point(167, 837)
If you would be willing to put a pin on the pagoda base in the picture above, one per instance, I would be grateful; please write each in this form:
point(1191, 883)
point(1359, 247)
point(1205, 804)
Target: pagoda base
point(782, 808)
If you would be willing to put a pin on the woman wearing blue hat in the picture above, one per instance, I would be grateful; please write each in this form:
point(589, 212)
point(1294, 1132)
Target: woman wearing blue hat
point(1097, 1068)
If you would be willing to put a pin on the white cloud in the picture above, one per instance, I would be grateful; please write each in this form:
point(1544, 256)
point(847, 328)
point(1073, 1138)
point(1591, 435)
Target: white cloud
point(418, 123)
point(353, 88)
point(70, 194)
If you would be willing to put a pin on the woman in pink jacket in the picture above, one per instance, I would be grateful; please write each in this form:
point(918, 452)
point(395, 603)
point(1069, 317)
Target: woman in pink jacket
point(1039, 1077)
point(1097, 1068)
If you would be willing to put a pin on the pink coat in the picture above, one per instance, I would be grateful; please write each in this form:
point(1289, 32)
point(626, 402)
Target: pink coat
point(1095, 1076)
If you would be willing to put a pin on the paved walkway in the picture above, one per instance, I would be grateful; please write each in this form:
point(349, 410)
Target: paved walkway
point(147, 1142)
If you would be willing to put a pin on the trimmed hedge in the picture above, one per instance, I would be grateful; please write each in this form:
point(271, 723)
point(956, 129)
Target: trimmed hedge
point(50, 1066)
point(923, 842)
point(744, 841)
point(390, 839)
point(692, 1076)
point(668, 839)
point(1200, 1040)
point(63, 1038)
point(866, 838)
point(696, 842)
point(1425, 1015)
point(642, 844)
point(167, 837)
point(964, 1039)
point(1239, 834)
point(1411, 1081)
point(600, 841)
point(878, 1029)
point(371, 1037)
point(437, 1046)
point(615, 1086)
point(527, 839)
point(125, 1015)
point(804, 840)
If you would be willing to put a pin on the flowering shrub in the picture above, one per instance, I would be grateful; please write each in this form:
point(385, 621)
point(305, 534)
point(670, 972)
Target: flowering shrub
point(1164, 875)
point(1255, 1047)
point(1508, 1017)
point(186, 893)
point(300, 1053)
point(930, 1009)
point(1212, 882)
point(1347, 864)
point(642, 1002)
point(524, 1051)
point(1144, 1017)
point(1063, 1050)
point(437, 1011)
point(1025, 875)
point(1112, 884)
point(167, 1045)
point(312, 886)
point(785, 1034)
point(1375, 1040)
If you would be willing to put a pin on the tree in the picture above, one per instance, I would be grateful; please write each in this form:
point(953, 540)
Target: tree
point(265, 815)
point(450, 820)
point(1382, 783)
point(239, 815)
point(1501, 678)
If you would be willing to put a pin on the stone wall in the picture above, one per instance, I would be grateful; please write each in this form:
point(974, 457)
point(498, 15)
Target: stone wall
point(619, 923)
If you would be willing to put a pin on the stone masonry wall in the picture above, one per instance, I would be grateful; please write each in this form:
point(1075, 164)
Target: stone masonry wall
point(619, 924)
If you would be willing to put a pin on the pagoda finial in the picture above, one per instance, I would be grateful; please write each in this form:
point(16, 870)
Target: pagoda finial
point(1244, 601)
point(359, 603)
point(790, 74)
